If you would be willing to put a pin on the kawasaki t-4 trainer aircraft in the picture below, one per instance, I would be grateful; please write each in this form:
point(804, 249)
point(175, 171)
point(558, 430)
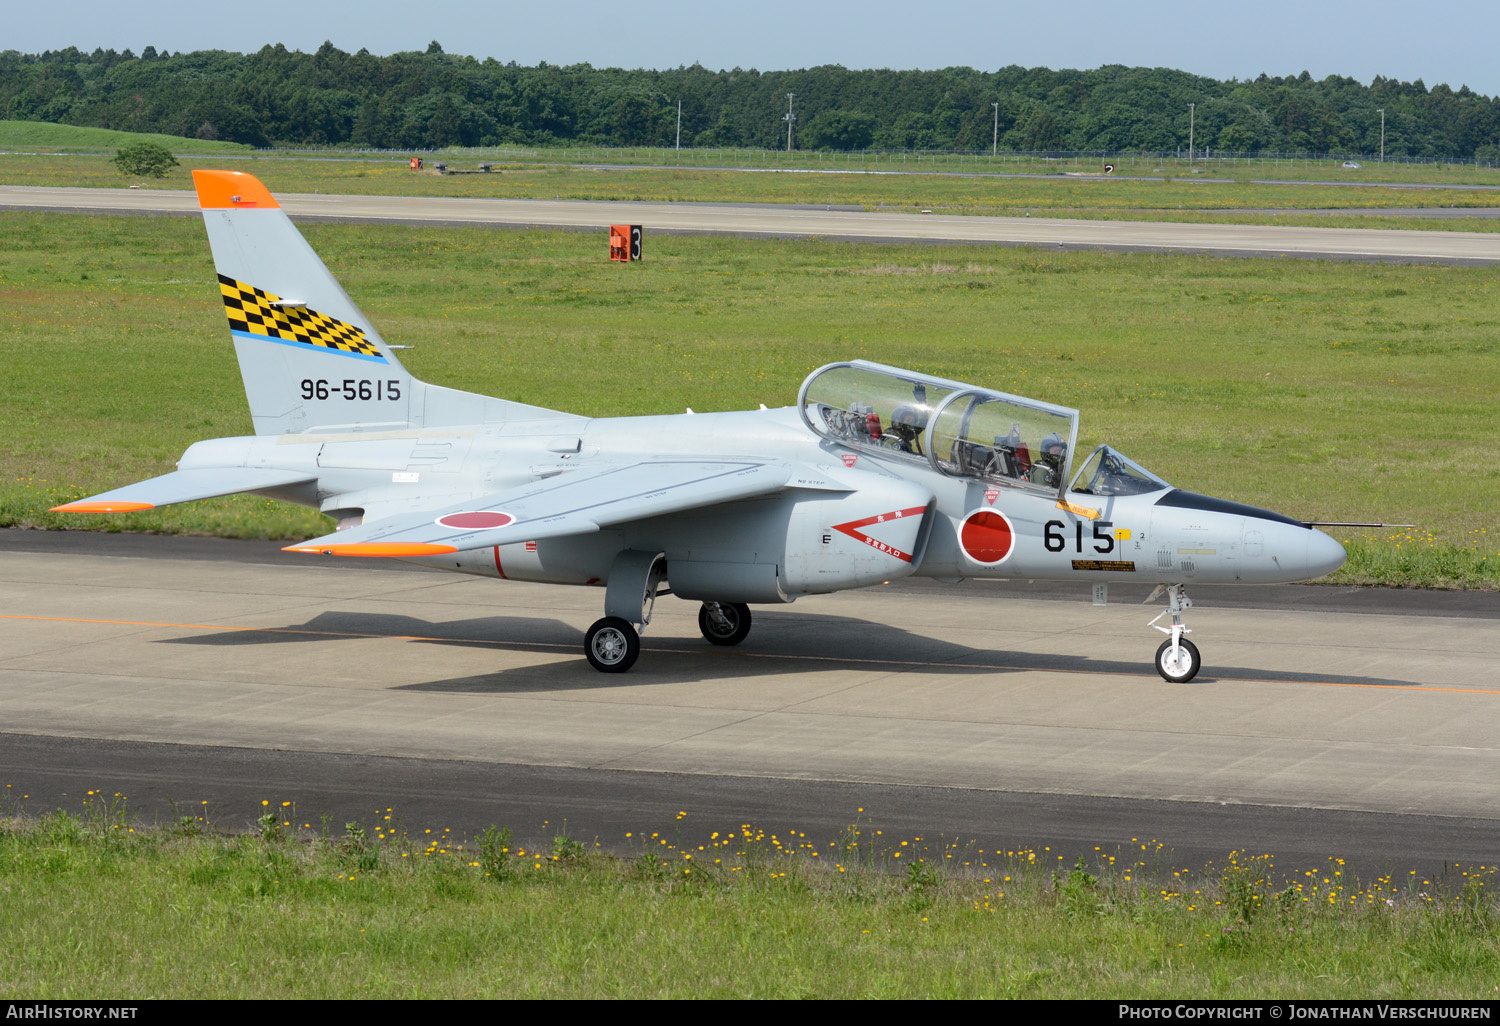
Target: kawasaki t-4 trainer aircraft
point(876, 473)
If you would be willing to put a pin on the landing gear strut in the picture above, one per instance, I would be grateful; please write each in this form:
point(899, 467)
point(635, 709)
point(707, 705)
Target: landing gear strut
point(724, 623)
point(1177, 660)
point(613, 644)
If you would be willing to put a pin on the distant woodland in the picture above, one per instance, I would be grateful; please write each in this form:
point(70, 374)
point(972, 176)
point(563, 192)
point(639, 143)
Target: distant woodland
point(434, 99)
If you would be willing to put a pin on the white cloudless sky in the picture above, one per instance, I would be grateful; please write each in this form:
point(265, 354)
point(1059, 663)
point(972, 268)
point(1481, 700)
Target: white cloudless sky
point(1448, 42)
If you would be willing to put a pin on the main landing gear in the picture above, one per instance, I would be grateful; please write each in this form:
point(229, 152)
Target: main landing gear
point(613, 644)
point(724, 623)
point(1177, 660)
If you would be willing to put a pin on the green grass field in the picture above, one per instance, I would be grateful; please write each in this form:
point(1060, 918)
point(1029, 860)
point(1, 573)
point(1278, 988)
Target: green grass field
point(1115, 199)
point(1239, 169)
point(1327, 391)
point(95, 904)
point(1324, 390)
point(33, 135)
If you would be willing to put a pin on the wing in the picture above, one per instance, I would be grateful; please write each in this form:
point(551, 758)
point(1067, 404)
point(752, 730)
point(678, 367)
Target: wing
point(576, 502)
point(184, 486)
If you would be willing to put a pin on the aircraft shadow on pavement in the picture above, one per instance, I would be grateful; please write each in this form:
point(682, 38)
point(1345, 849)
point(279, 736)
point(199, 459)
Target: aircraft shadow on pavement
point(783, 642)
point(331, 626)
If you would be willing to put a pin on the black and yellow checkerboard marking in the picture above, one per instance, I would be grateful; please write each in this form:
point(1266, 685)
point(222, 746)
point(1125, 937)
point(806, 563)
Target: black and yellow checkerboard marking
point(250, 310)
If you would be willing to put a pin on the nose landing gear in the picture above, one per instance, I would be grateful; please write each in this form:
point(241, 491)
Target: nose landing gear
point(1177, 660)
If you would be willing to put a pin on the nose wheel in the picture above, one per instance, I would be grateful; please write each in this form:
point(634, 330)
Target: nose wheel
point(1177, 660)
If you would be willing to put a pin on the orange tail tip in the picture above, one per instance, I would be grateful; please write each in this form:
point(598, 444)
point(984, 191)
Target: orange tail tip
point(218, 190)
point(101, 507)
point(374, 549)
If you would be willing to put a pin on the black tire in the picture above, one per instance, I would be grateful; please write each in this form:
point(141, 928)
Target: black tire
point(612, 645)
point(1179, 669)
point(738, 615)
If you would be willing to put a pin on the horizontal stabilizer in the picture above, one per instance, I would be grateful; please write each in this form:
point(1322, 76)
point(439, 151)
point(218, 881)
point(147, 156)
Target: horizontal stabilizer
point(184, 486)
point(576, 502)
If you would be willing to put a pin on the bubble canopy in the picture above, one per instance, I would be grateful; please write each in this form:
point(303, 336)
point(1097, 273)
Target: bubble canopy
point(960, 430)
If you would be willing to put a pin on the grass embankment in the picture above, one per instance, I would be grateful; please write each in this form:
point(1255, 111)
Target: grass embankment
point(1327, 391)
point(97, 906)
point(42, 135)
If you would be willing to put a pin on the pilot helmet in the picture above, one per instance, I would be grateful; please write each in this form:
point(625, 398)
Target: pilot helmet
point(1053, 445)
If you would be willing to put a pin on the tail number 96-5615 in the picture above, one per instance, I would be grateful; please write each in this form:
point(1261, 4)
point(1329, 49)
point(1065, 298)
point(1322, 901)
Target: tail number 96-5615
point(1056, 536)
point(351, 389)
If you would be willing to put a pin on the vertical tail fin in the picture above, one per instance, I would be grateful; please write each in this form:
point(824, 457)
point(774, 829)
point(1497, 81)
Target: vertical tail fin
point(310, 360)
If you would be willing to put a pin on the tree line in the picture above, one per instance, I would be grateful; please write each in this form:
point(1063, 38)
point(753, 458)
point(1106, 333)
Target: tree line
point(433, 99)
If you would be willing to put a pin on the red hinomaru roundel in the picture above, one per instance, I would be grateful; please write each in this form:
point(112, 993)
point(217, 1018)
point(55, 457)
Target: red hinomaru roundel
point(987, 536)
point(476, 520)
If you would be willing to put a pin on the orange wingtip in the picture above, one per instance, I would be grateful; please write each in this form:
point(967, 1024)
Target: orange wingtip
point(374, 549)
point(101, 507)
point(218, 190)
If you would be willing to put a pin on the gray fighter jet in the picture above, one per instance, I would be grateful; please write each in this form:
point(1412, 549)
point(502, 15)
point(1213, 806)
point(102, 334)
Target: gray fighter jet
point(876, 473)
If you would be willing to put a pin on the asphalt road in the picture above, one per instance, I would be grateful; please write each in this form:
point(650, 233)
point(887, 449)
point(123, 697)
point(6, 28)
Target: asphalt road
point(772, 220)
point(1351, 723)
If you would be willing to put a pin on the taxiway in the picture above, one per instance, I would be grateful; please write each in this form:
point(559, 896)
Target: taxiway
point(1355, 722)
point(777, 220)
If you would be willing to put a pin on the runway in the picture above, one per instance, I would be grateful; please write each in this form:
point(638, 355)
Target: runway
point(1344, 722)
point(773, 220)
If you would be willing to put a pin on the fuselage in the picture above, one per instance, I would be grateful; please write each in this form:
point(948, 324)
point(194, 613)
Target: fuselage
point(858, 516)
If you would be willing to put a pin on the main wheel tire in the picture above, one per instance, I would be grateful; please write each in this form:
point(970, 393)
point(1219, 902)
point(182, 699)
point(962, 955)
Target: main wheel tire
point(738, 615)
point(1180, 665)
point(612, 645)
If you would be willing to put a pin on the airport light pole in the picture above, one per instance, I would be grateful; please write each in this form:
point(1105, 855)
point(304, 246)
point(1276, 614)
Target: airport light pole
point(995, 147)
point(790, 117)
point(1382, 133)
point(1190, 135)
point(679, 125)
